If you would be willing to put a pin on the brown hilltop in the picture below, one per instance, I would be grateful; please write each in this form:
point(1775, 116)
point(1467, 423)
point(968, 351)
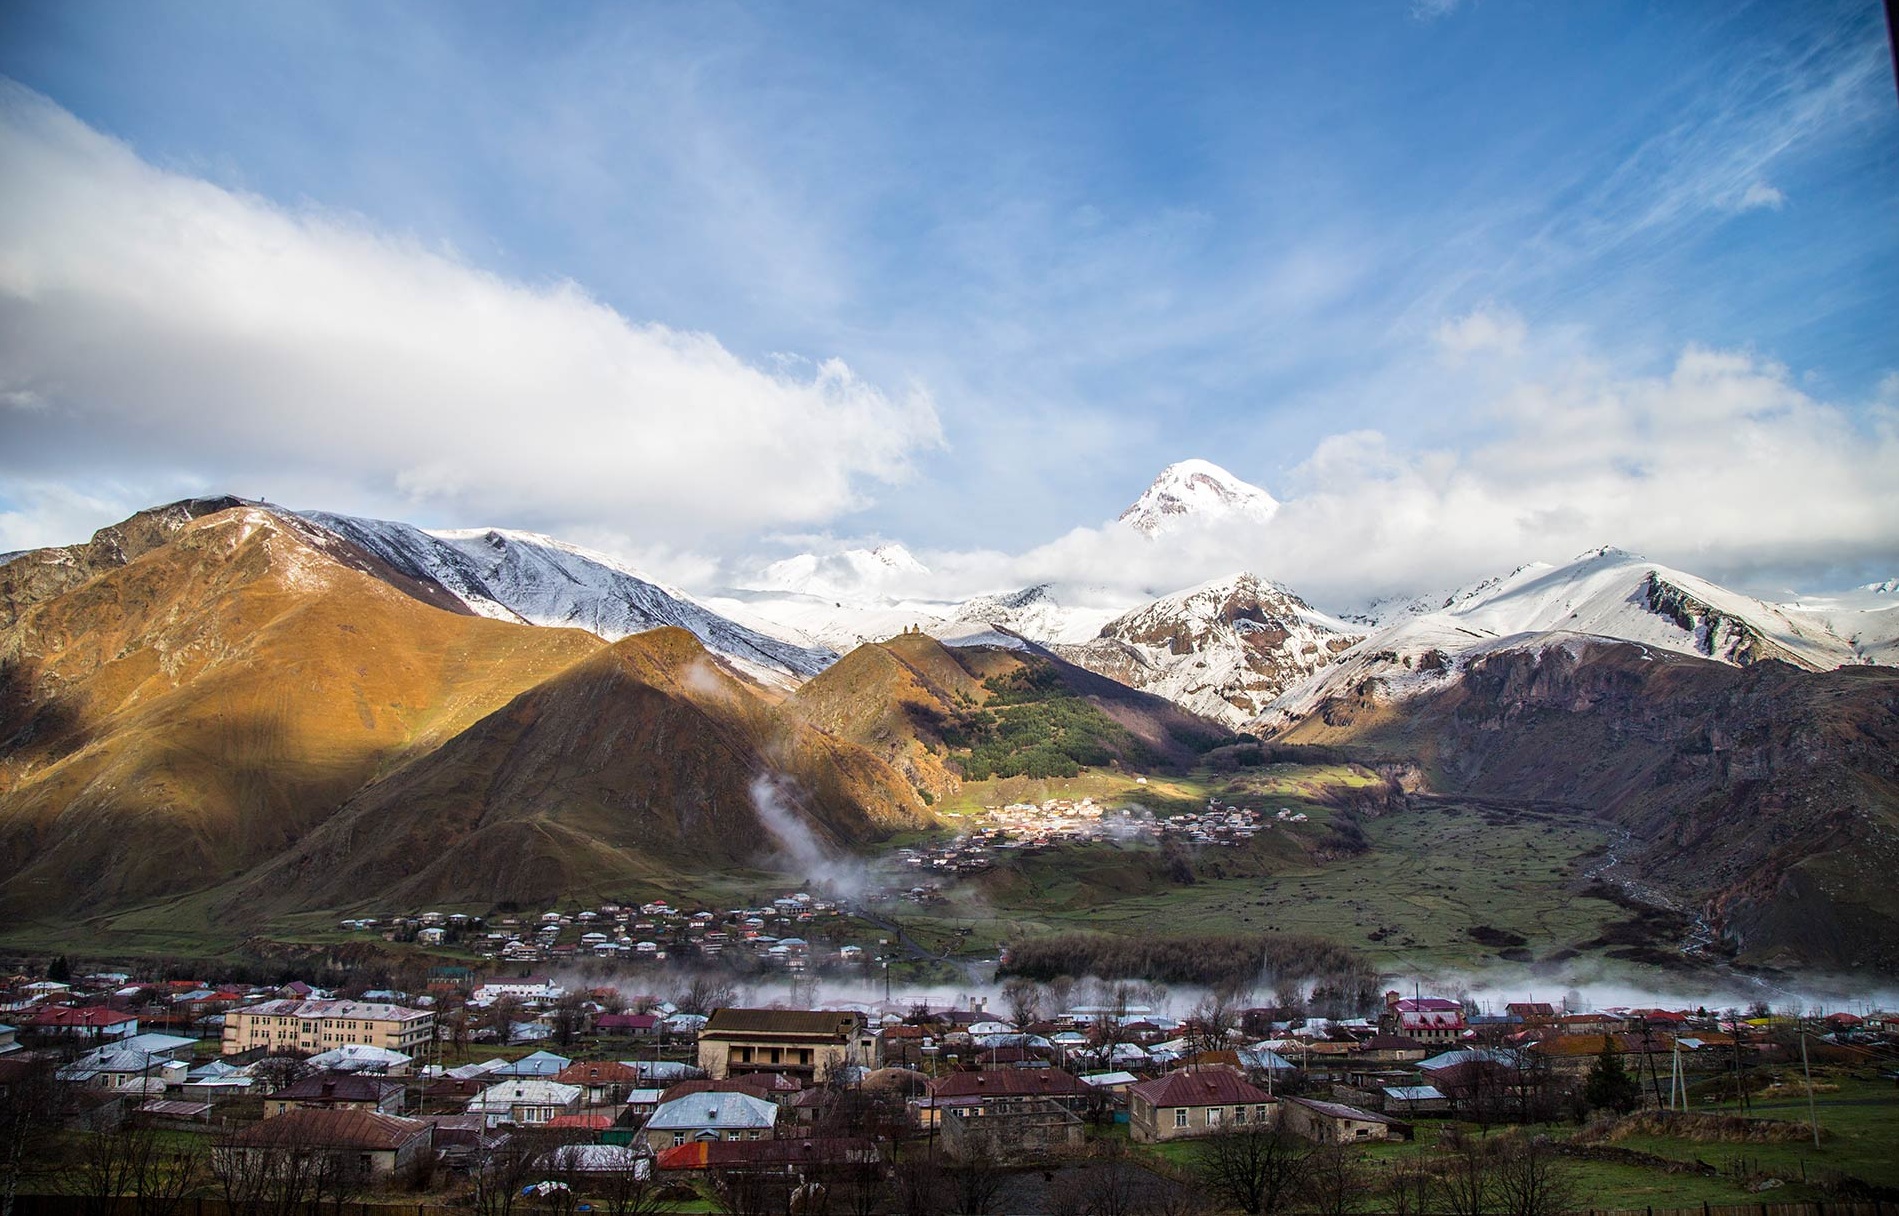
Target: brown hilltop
point(636, 762)
point(182, 714)
point(904, 699)
point(895, 698)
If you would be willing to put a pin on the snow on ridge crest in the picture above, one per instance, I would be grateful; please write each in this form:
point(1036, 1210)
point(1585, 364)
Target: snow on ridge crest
point(537, 580)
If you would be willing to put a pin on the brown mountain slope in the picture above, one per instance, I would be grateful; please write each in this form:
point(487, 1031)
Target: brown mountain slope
point(207, 689)
point(1765, 797)
point(637, 762)
point(913, 701)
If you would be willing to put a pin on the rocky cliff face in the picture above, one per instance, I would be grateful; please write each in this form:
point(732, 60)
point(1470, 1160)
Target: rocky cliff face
point(1764, 797)
point(1223, 650)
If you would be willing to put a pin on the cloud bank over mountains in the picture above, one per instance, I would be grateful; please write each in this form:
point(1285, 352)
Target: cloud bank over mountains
point(154, 324)
point(161, 335)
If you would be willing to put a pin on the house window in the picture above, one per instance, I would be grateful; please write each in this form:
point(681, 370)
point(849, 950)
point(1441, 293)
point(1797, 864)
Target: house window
point(1239, 1114)
point(679, 1138)
point(1180, 1116)
point(1259, 1115)
point(1213, 1116)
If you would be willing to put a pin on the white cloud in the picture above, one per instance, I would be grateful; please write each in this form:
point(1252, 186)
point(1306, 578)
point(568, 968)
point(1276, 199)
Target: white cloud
point(1432, 10)
point(1489, 328)
point(151, 320)
point(1760, 195)
point(1720, 465)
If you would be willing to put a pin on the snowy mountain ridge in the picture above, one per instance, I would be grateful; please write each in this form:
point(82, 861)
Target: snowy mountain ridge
point(537, 580)
point(1604, 593)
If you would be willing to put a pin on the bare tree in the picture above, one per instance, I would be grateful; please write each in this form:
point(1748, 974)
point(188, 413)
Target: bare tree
point(751, 1193)
point(919, 1185)
point(1024, 998)
point(132, 1160)
point(31, 1103)
point(501, 1015)
point(704, 993)
point(1408, 1193)
point(1530, 1180)
point(975, 1181)
point(625, 1189)
point(1213, 1018)
point(570, 1017)
point(1465, 1186)
point(275, 1072)
point(1254, 1167)
point(498, 1170)
point(1335, 1181)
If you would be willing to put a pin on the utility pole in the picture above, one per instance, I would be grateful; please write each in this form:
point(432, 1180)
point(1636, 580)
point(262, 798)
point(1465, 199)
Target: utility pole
point(1813, 1114)
point(1677, 1084)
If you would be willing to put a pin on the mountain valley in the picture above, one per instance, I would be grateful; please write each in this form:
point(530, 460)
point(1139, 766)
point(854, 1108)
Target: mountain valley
point(271, 714)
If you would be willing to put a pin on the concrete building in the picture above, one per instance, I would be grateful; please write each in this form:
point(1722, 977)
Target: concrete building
point(810, 1045)
point(309, 1027)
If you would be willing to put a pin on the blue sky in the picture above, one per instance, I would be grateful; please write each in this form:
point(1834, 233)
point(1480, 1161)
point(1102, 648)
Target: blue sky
point(1057, 246)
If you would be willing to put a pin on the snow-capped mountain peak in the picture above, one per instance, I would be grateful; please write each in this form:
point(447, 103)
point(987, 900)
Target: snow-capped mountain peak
point(1195, 490)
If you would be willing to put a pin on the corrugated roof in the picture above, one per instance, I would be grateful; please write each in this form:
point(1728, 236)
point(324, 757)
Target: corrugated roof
point(783, 1021)
point(713, 1110)
point(357, 1129)
point(1200, 1087)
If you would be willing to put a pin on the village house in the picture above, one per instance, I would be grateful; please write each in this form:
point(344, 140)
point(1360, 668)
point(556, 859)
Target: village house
point(361, 1143)
point(606, 1082)
point(315, 1026)
point(811, 1045)
point(119, 1068)
point(525, 1103)
point(338, 1091)
point(1195, 1102)
point(534, 1064)
point(93, 1022)
point(1026, 1130)
point(1336, 1123)
point(1427, 1019)
point(710, 1116)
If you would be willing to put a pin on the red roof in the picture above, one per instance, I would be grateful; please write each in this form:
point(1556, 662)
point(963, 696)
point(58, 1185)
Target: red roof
point(1199, 1087)
point(592, 1123)
point(357, 1129)
point(625, 1021)
point(1008, 1083)
point(598, 1072)
point(725, 1154)
point(86, 1017)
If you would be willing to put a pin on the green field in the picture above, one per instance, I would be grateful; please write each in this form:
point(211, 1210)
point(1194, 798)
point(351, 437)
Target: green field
point(1860, 1139)
point(1428, 877)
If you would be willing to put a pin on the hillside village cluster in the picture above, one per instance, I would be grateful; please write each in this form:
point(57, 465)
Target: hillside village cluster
point(1029, 826)
point(776, 935)
point(522, 1079)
